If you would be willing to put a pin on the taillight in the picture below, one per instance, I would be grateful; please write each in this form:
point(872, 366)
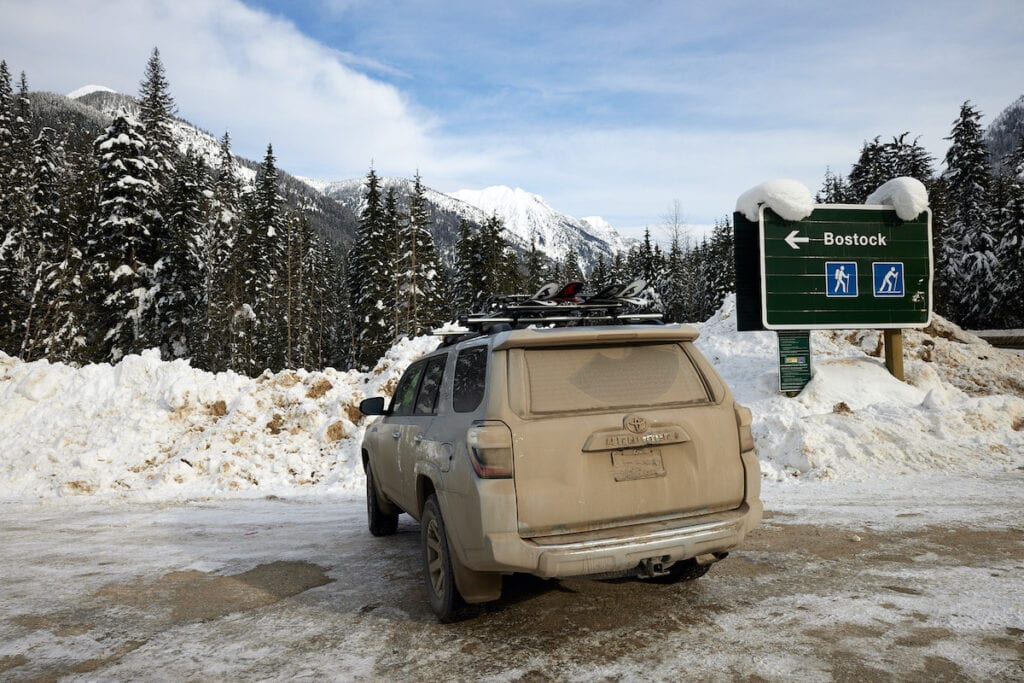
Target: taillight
point(490, 449)
point(743, 420)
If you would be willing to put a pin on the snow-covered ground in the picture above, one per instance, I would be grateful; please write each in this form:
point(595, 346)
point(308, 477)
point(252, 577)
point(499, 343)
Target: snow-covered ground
point(165, 523)
point(146, 429)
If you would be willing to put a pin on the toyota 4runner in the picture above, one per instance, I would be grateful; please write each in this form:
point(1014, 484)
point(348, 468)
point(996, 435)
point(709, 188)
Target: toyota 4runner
point(576, 451)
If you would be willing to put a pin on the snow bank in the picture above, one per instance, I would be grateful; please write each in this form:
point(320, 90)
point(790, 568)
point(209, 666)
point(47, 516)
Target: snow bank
point(789, 198)
point(907, 195)
point(146, 429)
point(960, 410)
point(151, 429)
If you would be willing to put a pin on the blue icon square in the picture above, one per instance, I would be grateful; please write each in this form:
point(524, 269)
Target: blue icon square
point(840, 279)
point(887, 279)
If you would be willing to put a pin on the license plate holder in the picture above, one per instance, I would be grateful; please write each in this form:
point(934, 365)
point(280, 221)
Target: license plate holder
point(637, 463)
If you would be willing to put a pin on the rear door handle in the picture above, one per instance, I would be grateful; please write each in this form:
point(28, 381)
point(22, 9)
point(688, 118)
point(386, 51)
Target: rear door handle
point(419, 437)
point(396, 433)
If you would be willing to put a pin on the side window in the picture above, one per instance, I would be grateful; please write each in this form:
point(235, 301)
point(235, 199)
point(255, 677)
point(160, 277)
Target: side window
point(470, 378)
point(401, 404)
point(426, 401)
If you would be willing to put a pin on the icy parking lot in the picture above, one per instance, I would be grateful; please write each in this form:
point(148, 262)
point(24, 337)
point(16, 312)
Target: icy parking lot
point(877, 580)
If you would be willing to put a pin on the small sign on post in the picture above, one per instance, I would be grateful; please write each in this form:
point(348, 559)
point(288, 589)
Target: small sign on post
point(794, 360)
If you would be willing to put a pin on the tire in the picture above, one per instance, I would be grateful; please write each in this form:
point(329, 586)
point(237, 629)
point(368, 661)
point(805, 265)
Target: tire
point(438, 575)
point(684, 570)
point(381, 523)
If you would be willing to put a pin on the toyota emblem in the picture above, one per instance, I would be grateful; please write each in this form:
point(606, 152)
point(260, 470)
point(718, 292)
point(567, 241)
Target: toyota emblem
point(635, 424)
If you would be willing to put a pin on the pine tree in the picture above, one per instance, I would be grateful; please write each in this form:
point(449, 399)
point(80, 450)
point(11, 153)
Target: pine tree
point(722, 268)
point(417, 269)
point(868, 173)
point(674, 290)
point(465, 286)
point(71, 313)
point(907, 160)
point(534, 275)
point(44, 236)
point(224, 272)
point(1009, 282)
point(371, 280)
point(263, 258)
point(119, 247)
point(969, 245)
point(833, 189)
point(572, 270)
point(10, 225)
point(294, 287)
point(156, 114)
point(181, 269)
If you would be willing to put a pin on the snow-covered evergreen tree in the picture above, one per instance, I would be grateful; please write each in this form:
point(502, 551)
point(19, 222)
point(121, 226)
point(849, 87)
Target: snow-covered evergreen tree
point(181, 269)
point(43, 237)
point(119, 247)
point(224, 267)
point(263, 259)
point(868, 173)
point(156, 114)
point(10, 226)
point(721, 273)
point(833, 189)
point(417, 269)
point(1009, 283)
point(571, 266)
point(371, 279)
point(465, 285)
point(969, 244)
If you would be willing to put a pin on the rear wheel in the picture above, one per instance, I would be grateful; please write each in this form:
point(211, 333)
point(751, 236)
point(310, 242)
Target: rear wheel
point(439, 578)
point(381, 523)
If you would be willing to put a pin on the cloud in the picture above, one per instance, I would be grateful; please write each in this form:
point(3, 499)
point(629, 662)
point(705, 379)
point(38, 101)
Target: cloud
point(230, 67)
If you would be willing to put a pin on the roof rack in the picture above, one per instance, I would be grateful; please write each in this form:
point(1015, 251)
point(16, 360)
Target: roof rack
point(552, 306)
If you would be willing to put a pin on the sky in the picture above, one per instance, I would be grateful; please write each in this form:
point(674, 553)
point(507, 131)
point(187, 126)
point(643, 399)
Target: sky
point(613, 109)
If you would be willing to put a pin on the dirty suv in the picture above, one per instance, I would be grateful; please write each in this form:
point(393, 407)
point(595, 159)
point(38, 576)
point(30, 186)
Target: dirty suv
point(574, 451)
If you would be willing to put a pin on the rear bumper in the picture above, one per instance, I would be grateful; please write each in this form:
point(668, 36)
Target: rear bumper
point(598, 553)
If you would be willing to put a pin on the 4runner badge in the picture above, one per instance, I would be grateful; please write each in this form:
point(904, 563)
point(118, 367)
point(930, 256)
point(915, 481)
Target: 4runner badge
point(635, 424)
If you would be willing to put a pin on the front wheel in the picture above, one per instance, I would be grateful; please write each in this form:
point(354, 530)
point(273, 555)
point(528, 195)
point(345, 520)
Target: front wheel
point(381, 523)
point(439, 578)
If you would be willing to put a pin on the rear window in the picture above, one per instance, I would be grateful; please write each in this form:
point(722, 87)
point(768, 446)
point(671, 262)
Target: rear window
point(604, 378)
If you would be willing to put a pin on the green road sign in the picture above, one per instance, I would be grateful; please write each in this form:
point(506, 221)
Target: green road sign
point(794, 359)
point(845, 267)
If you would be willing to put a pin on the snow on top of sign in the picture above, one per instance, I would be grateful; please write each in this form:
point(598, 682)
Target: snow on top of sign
point(789, 198)
point(907, 195)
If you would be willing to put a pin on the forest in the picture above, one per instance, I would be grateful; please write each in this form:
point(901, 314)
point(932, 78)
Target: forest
point(114, 244)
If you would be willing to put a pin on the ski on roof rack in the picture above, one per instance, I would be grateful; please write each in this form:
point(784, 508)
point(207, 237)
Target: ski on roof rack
point(563, 306)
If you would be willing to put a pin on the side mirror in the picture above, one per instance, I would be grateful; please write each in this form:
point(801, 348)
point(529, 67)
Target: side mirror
point(373, 406)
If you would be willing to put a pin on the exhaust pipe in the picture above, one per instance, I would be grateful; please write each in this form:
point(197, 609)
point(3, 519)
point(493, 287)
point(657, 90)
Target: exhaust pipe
point(710, 558)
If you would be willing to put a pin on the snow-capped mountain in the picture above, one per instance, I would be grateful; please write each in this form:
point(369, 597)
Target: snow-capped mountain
point(531, 218)
point(527, 217)
point(1005, 132)
point(91, 108)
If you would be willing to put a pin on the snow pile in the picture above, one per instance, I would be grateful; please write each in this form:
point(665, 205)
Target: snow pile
point(907, 195)
point(961, 408)
point(151, 429)
point(789, 198)
point(164, 430)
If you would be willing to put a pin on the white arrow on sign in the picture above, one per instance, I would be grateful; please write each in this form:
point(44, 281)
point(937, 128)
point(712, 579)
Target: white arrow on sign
point(792, 239)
